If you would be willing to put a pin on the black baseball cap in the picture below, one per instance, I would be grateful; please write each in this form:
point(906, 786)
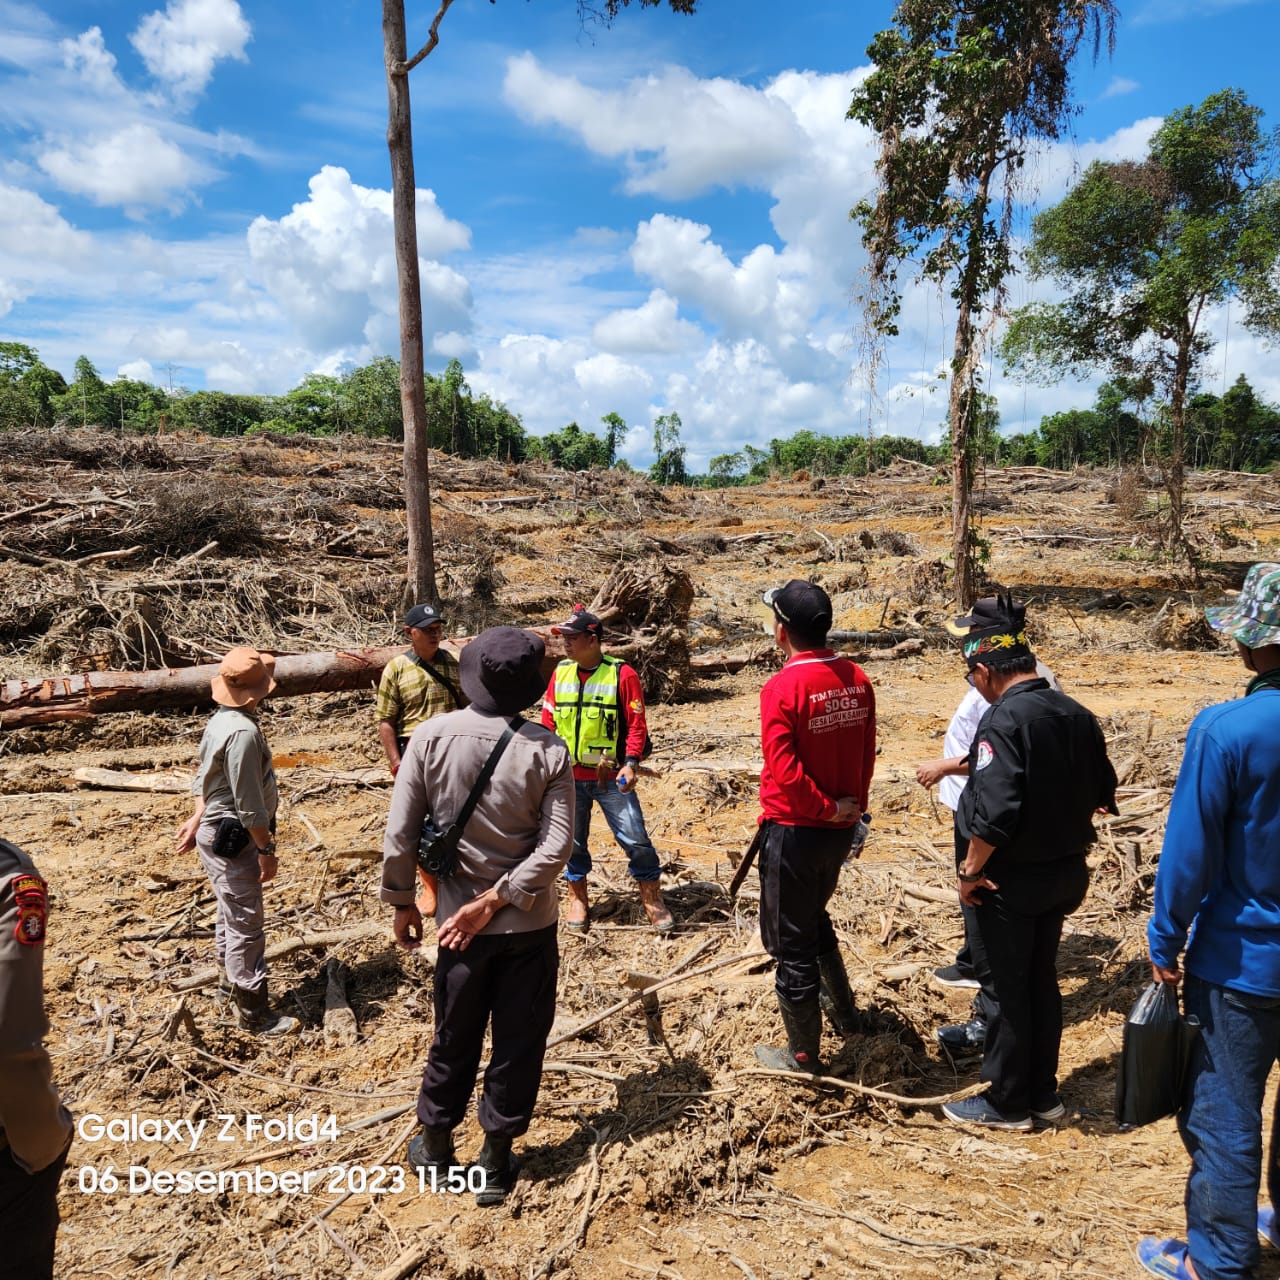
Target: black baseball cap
point(800, 604)
point(582, 623)
point(991, 611)
point(422, 615)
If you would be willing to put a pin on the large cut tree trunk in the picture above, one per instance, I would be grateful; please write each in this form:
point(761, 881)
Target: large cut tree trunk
point(420, 582)
point(56, 699)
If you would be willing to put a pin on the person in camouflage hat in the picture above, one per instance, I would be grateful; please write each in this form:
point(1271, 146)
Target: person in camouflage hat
point(1218, 884)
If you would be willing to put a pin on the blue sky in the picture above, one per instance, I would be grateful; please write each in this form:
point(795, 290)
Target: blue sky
point(642, 219)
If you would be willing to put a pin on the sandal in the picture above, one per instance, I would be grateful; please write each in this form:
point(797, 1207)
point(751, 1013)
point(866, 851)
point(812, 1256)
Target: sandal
point(1165, 1258)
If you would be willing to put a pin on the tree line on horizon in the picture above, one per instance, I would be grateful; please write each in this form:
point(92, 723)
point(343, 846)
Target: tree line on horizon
point(1237, 431)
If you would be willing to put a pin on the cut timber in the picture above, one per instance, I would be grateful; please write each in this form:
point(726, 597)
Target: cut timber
point(55, 699)
point(119, 780)
point(340, 1027)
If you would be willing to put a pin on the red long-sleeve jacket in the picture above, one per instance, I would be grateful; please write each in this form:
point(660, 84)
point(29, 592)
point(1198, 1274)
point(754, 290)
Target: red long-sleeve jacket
point(818, 731)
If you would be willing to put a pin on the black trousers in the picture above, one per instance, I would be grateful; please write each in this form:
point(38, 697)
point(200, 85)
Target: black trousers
point(1015, 954)
point(508, 979)
point(799, 869)
point(28, 1218)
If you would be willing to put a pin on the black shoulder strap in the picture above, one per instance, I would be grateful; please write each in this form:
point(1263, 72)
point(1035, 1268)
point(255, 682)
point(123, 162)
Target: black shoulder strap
point(456, 827)
point(439, 679)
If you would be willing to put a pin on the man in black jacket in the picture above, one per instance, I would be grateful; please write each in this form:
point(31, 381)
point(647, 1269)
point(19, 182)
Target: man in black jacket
point(1038, 772)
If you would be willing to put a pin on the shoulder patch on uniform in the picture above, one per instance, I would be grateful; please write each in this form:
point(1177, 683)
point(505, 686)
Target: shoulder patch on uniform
point(635, 706)
point(985, 754)
point(33, 909)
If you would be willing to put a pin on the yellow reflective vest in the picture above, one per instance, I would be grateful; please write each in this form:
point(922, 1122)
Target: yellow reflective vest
point(588, 713)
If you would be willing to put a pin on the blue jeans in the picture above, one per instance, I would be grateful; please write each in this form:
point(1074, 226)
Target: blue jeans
point(626, 820)
point(1221, 1126)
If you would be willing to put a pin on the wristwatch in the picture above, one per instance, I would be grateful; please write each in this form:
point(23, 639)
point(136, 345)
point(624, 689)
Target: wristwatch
point(964, 879)
point(268, 850)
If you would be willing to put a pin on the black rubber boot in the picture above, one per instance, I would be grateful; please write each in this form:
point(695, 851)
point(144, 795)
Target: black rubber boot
point(836, 996)
point(803, 1024)
point(432, 1148)
point(500, 1169)
point(253, 1011)
point(224, 991)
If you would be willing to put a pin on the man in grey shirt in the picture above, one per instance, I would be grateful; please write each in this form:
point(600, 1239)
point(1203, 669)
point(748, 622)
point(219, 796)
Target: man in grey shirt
point(496, 917)
point(233, 829)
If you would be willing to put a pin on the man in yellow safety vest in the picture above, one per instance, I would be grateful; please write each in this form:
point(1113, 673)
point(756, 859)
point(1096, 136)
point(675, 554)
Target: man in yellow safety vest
point(595, 704)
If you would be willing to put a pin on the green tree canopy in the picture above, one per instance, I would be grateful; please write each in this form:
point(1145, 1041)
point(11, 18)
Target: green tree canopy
point(1144, 249)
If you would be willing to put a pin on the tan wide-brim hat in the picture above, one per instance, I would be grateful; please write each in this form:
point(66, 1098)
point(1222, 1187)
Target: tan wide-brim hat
point(244, 676)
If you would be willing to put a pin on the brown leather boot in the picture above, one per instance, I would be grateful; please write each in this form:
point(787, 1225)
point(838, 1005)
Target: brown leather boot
point(579, 907)
point(655, 908)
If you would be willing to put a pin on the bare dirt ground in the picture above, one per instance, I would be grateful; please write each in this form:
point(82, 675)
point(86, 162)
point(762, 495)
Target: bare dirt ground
point(656, 1152)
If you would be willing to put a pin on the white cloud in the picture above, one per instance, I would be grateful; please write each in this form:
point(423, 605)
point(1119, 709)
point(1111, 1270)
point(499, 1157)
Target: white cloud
point(88, 58)
point(677, 133)
point(330, 266)
point(1119, 86)
point(138, 371)
point(653, 327)
point(182, 44)
point(38, 247)
point(606, 378)
point(133, 167)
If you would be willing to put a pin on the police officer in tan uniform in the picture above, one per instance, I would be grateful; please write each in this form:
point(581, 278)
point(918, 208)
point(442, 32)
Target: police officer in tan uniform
point(35, 1128)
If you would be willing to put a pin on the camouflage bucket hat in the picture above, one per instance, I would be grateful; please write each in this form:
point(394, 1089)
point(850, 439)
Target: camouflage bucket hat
point(1254, 619)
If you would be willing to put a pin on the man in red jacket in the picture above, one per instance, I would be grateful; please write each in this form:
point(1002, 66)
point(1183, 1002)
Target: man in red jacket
point(596, 706)
point(818, 731)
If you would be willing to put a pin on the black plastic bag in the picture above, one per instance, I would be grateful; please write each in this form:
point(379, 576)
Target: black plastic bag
point(1157, 1048)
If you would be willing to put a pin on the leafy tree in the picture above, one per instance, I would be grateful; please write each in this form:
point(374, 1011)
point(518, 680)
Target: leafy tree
point(757, 461)
point(85, 400)
point(668, 466)
point(420, 580)
point(727, 469)
point(1144, 250)
point(218, 414)
point(371, 399)
point(615, 433)
point(570, 448)
point(959, 92)
point(28, 387)
point(314, 406)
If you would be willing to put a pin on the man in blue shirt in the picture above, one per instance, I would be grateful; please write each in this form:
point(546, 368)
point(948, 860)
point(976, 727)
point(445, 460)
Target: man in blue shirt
point(1219, 881)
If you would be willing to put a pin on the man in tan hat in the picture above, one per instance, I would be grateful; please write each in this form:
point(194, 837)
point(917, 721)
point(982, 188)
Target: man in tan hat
point(233, 828)
point(35, 1128)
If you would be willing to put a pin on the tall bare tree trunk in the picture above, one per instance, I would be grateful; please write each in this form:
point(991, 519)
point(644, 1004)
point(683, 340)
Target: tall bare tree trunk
point(420, 578)
point(960, 412)
point(1176, 477)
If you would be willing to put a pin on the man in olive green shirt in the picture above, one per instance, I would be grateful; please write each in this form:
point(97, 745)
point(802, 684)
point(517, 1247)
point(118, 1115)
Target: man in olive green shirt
point(416, 685)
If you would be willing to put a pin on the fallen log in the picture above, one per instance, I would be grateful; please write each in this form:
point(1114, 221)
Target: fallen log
point(119, 780)
point(57, 699)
